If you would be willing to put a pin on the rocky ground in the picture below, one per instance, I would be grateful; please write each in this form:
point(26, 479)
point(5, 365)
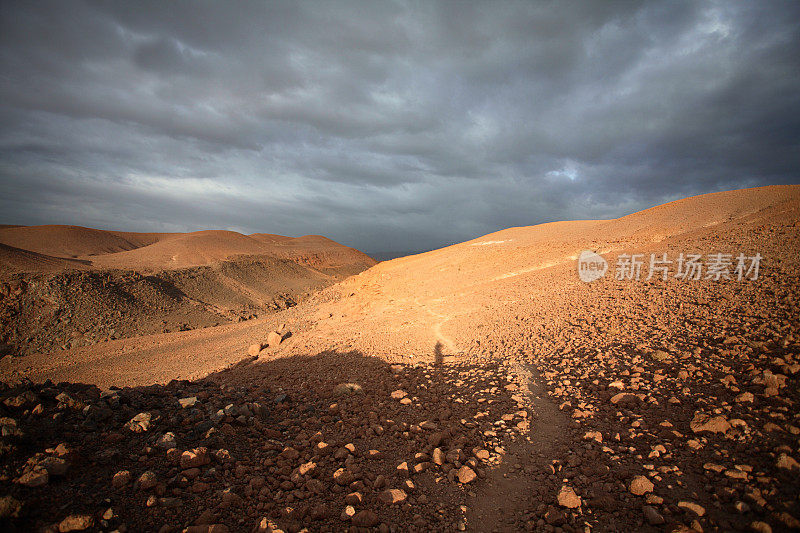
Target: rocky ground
point(334, 442)
point(46, 312)
point(696, 432)
point(680, 402)
point(702, 434)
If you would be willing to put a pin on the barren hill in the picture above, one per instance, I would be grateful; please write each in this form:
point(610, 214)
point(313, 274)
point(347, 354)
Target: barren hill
point(74, 241)
point(75, 286)
point(206, 247)
point(17, 260)
point(184, 250)
point(485, 387)
point(159, 251)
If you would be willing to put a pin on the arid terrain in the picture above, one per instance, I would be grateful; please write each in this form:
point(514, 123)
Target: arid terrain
point(478, 387)
point(66, 286)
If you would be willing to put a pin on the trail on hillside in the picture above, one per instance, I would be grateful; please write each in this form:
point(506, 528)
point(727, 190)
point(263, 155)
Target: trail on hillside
point(436, 327)
point(520, 482)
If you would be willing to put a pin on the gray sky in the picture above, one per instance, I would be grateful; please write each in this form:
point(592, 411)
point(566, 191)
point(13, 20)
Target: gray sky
point(388, 125)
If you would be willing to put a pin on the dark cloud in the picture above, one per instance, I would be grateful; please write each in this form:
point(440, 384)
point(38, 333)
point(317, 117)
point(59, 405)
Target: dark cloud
point(388, 125)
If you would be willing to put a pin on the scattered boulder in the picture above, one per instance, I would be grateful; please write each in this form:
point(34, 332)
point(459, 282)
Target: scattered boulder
point(568, 498)
point(148, 480)
point(640, 486)
point(693, 507)
point(290, 453)
point(140, 423)
point(652, 516)
point(745, 397)
point(760, 527)
point(343, 476)
point(195, 458)
point(167, 441)
point(712, 424)
point(188, 402)
point(437, 456)
point(466, 474)
point(121, 479)
point(481, 453)
point(392, 496)
point(255, 349)
point(354, 498)
point(661, 355)
point(34, 478)
point(76, 523)
point(274, 339)
point(624, 398)
point(55, 466)
point(787, 462)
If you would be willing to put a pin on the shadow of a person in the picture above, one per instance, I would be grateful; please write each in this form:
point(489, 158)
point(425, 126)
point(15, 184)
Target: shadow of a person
point(438, 356)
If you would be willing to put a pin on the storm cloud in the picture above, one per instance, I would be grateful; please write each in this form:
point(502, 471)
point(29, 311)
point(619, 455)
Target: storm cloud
point(388, 125)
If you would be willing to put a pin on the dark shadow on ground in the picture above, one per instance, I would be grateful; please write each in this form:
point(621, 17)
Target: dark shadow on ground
point(276, 431)
point(438, 356)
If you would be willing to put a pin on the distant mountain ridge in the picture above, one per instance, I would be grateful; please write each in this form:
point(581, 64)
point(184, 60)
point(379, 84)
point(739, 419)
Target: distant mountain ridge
point(154, 251)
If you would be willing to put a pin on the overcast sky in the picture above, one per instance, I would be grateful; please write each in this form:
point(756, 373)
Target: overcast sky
point(388, 125)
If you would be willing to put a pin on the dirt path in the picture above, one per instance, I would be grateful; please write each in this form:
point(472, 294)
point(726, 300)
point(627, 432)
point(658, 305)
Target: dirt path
point(447, 342)
point(514, 488)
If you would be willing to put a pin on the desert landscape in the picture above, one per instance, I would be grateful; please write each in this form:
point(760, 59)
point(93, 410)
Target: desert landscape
point(67, 286)
point(479, 387)
point(399, 266)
